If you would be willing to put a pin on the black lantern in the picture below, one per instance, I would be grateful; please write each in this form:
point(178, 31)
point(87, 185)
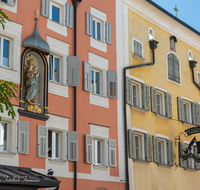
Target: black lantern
point(153, 44)
point(192, 64)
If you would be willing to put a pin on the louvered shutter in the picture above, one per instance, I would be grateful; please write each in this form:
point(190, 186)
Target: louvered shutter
point(195, 113)
point(198, 78)
point(176, 69)
point(88, 149)
point(155, 150)
point(170, 154)
point(73, 70)
point(145, 97)
point(180, 109)
point(72, 143)
point(42, 140)
point(131, 142)
point(181, 152)
point(148, 147)
point(197, 165)
point(89, 26)
point(153, 100)
point(45, 8)
point(23, 137)
point(129, 92)
point(171, 66)
point(87, 76)
point(112, 152)
point(69, 15)
point(108, 33)
point(112, 84)
point(168, 105)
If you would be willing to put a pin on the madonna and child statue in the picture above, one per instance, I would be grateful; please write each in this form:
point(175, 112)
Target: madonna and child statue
point(31, 75)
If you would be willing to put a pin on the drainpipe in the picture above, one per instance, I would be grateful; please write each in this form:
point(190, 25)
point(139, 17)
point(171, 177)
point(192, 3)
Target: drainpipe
point(75, 4)
point(192, 66)
point(153, 45)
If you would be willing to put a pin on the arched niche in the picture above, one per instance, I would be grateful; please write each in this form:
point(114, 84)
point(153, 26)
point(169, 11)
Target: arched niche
point(41, 96)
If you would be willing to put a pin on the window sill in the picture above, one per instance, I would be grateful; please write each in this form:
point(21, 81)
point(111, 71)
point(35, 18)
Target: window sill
point(100, 167)
point(98, 44)
point(99, 100)
point(7, 68)
point(141, 161)
point(138, 57)
point(56, 160)
point(164, 165)
point(179, 84)
point(58, 89)
point(189, 124)
point(7, 153)
point(57, 27)
point(161, 116)
point(138, 109)
point(191, 169)
point(57, 83)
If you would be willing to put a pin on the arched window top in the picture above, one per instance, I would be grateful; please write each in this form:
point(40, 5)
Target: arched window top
point(190, 55)
point(150, 33)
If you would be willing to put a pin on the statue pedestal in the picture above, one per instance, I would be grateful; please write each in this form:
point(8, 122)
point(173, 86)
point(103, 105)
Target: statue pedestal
point(34, 107)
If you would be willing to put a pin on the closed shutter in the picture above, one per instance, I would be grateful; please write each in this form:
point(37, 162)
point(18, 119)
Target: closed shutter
point(168, 105)
point(131, 142)
point(108, 33)
point(72, 151)
point(171, 66)
point(45, 8)
point(87, 76)
point(88, 149)
point(42, 140)
point(23, 137)
point(176, 69)
point(180, 109)
point(73, 70)
point(145, 97)
point(148, 147)
point(112, 84)
point(69, 15)
point(155, 150)
point(129, 92)
point(181, 152)
point(170, 154)
point(89, 27)
point(112, 152)
point(195, 113)
point(197, 165)
point(153, 100)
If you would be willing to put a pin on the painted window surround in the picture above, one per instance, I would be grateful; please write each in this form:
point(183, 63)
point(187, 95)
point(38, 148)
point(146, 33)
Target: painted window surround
point(60, 49)
point(9, 7)
point(101, 64)
point(136, 56)
point(60, 28)
point(102, 46)
point(13, 33)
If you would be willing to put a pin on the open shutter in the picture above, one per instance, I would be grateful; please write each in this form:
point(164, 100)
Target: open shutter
point(168, 105)
point(89, 27)
point(45, 8)
point(176, 69)
point(170, 154)
point(145, 97)
point(170, 66)
point(129, 92)
point(42, 140)
point(198, 78)
point(23, 137)
point(112, 84)
point(153, 100)
point(112, 152)
point(195, 113)
point(87, 76)
point(108, 33)
point(88, 149)
point(131, 142)
point(148, 147)
point(181, 152)
point(180, 109)
point(197, 165)
point(155, 150)
point(72, 151)
point(73, 70)
point(69, 15)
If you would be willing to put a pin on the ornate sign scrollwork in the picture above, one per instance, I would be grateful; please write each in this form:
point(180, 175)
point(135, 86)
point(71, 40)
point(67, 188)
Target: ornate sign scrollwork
point(190, 155)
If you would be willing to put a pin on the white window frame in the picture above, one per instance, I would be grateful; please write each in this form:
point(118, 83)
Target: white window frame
point(141, 145)
point(188, 101)
point(2, 38)
point(94, 151)
point(162, 102)
point(9, 7)
point(61, 12)
point(138, 93)
point(190, 55)
point(102, 30)
point(60, 61)
point(133, 51)
point(59, 149)
point(150, 37)
point(100, 77)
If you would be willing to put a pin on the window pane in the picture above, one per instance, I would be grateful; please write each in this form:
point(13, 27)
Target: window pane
point(135, 48)
point(50, 67)
point(160, 152)
point(53, 144)
point(6, 47)
point(49, 143)
point(185, 112)
point(93, 32)
point(98, 152)
point(3, 136)
point(97, 82)
point(56, 69)
point(134, 95)
point(137, 153)
point(57, 141)
point(55, 13)
point(92, 81)
point(98, 30)
point(158, 103)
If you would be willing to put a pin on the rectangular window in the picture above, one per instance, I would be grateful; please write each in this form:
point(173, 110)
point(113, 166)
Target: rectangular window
point(137, 48)
point(53, 144)
point(96, 32)
point(97, 151)
point(185, 112)
point(135, 96)
point(95, 82)
point(158, 96)
point(5, 1)
point(55, 14)
point(54, 68)
point(137, 147)
point(160, 152)
point(5, 46)
point(3, 136)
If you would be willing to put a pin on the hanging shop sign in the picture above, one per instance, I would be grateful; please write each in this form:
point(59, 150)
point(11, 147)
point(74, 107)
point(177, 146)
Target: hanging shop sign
point(192, 131)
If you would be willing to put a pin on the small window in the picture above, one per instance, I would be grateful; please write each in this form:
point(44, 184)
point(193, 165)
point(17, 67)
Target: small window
point(95, 82)
point(135, 95)
point(96, 30)
point(55, 14)
point(137, 48)
point(97, 152)
point(139, 146)
point(160, 103)
point(54, 68)
point(186, 112)
point(5, 52)
point(162, 151)
point(3, 136)
point(53, 144)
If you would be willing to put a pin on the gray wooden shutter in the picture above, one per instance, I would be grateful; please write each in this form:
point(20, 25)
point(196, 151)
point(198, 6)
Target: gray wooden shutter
point(198, 78)
point(23, 137)
point(88, 149)
point(89, 24)
point(197, 165)
point(42, 141)
point(195, 113)
point(129, 90)
point(170, 66)
point(155, 150)
point(176, 69)
point(153, 100)
point(145, 97)
point(72, 143)
point(112, 84)
point(45, 8)
point(131, 143)
point(87, 76)
point(73, 70)
point(148, 147)
point(112, 152)
point(69, 15)
point(180, 109)
point(108, 33)
point(181, 152)
point(168, 105)
point(170, 153)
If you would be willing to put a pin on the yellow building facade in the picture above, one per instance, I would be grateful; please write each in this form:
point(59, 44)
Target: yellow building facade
point(169, 105)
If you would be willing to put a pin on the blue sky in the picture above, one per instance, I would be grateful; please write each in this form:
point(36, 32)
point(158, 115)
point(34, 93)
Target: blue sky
point(189, 11)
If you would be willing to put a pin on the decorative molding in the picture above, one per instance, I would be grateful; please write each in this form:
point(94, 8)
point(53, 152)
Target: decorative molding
point(98, 44)
point(99, 131)
point(56, 27)
point(99, 100)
